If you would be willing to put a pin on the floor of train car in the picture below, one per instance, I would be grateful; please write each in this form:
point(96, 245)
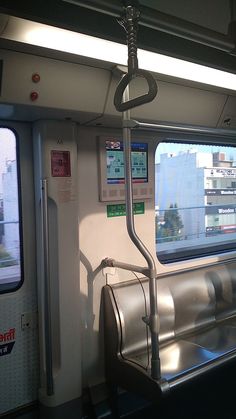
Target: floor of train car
point(213, 397)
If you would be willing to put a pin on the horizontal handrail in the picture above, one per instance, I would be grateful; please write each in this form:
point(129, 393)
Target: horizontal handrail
point(180, 128)
point(112, 263)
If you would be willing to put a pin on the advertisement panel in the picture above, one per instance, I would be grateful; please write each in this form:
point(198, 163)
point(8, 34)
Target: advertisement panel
point(220, 172)
point(220, 192)
point(220, 209)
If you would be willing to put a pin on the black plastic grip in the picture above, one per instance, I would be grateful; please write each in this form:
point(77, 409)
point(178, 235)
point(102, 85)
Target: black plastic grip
point(140, 100)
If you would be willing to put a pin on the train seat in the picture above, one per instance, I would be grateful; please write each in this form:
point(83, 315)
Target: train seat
point(197, 312)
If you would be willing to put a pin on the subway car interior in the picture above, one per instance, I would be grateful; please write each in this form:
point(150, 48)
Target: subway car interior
point(118, 209)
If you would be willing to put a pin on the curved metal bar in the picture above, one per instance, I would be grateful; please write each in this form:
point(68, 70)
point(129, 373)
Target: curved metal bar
point(112, 263)
point(153, 321)
point(47, 307)
point(129, 202)
point(138, 101)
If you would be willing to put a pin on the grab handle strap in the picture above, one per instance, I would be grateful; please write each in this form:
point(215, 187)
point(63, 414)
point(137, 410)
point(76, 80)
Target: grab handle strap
point(129, 21)
point(140, 100)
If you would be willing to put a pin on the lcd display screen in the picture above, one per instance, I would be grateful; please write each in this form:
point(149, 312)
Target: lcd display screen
point(115, 162)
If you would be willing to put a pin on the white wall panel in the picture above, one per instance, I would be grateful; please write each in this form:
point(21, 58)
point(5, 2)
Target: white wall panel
point(62, 85)
point(174, 103)
point(102, 237)
point(64, 303)
point(228, 117)
point(79, 92)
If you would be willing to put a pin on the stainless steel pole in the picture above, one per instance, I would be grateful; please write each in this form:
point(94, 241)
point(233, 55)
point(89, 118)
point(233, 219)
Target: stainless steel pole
point(47, 304)
point(153, 317)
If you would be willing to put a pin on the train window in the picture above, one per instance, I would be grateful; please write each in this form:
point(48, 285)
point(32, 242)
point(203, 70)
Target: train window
point(195, 200)
point(10, 248)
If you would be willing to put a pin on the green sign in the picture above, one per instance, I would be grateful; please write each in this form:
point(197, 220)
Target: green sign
point(118, 210)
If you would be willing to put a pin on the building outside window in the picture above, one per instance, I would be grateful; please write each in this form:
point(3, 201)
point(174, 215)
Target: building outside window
point(195, 198)
point(10, 257)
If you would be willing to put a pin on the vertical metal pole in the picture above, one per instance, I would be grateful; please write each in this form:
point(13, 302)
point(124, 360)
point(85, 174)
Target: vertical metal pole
point(153, 318)
point(47, 305)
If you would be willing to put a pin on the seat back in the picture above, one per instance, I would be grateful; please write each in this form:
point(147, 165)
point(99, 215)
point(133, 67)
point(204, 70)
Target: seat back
point(187, 303)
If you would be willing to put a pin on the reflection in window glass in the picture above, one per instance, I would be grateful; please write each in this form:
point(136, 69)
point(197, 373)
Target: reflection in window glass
point(195, 200)
point(10, 260)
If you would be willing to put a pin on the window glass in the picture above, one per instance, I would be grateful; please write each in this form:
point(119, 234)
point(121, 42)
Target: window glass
point(10, 255)
point(195, 200)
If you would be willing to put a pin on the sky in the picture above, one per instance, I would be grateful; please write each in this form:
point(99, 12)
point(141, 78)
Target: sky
point(176, 148)
point(7, 150)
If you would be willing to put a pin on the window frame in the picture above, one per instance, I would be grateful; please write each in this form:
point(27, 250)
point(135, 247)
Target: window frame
point(225, 251)
point(9, 289)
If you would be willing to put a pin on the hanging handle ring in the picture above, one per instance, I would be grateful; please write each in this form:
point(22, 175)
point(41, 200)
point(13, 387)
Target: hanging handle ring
point(140, 100)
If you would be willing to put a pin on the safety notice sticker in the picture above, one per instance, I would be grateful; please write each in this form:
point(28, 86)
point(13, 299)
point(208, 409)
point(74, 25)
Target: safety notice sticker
point(8, 340)
point(60, 163)
point(117, 210)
